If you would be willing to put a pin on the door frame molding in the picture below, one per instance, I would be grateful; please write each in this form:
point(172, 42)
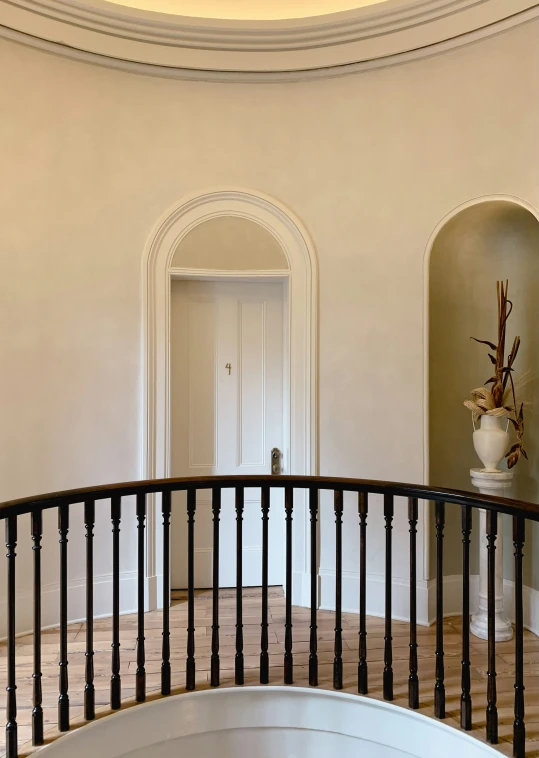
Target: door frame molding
point(302, 275)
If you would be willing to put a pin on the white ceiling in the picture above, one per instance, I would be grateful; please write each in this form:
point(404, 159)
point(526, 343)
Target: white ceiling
point(247, 9)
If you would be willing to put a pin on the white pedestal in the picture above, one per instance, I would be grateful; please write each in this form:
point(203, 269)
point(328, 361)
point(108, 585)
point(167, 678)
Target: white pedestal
point(491, 484)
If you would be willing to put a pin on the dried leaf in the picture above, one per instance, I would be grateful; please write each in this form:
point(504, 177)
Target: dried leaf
point(485, 342)
point(512, 459)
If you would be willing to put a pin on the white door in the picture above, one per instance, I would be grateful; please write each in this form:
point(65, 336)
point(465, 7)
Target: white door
point(226, 416)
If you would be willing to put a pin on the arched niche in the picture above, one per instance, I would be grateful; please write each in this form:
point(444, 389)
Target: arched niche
point(479, 243)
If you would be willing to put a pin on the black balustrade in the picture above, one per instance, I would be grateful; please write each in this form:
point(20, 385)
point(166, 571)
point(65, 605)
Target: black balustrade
point(239, 675)
point(313, 637)
point(519, 727)
point(362, 667)
point(115, 679)
point(140, 674)
point(166, 675)
point(388, 639)
point(316, 523)
point(337, 661)
point(190, 669)
point(439, 687)
point(63, 700)
point(11, 689)
point(288, 660)
point(37, 710)
point(264, 625)
point(214, 664)
point(89, 688)
point(413, 680)
point(492, 709)
point(465, 698)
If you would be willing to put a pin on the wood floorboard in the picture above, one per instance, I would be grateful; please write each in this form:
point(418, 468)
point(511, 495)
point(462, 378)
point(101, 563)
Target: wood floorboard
point(252, 617)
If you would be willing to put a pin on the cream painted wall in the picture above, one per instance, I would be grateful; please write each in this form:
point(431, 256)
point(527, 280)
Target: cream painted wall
point(229, 243)
point(90, 160)
point(473, 250)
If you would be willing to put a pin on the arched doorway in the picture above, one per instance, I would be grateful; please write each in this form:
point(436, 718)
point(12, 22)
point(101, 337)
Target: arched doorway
point(302, 280)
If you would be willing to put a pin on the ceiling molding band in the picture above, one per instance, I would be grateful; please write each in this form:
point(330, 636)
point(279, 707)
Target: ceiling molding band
point(326, 46)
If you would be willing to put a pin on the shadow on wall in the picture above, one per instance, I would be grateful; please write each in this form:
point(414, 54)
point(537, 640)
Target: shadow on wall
point(490, 240)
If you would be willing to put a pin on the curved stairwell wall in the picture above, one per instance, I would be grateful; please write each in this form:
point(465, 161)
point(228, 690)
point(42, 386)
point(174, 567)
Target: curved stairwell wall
point(92, 157)
point(268, 723)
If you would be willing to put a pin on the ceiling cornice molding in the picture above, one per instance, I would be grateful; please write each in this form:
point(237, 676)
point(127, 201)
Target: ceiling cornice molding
point(176, 46)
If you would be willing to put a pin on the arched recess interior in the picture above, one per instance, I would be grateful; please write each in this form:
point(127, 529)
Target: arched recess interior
point(302, 274)
point(488, 238)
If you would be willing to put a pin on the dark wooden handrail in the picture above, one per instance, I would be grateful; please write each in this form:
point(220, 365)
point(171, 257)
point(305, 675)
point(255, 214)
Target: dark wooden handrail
point(372, 486)
point(311, 485)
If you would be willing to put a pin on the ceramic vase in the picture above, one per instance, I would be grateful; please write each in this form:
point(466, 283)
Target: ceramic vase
point(491, 442)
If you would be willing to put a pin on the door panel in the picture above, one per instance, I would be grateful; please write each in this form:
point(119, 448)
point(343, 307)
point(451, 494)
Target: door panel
point(252, 389)
point(226, 420)
point(202, 325)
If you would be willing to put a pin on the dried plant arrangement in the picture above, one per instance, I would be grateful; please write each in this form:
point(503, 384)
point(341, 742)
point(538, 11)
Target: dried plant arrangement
point(500, 400)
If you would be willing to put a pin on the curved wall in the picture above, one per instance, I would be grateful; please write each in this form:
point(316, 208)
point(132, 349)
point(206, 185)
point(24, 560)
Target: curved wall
point(268, 722)
point(91, 157)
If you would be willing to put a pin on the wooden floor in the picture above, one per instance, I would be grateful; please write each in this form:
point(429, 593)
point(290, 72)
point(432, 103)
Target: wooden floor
point(505, 662)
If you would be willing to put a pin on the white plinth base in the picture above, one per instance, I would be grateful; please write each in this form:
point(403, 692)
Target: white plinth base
point(490, 483)
point(479, 626)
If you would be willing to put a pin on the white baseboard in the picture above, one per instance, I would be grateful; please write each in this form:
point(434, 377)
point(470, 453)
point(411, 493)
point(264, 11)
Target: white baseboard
point(426, 597)
point(400, 590)
point(400, 607)
point(301, 592)
point(530, 600)
point(76, 602)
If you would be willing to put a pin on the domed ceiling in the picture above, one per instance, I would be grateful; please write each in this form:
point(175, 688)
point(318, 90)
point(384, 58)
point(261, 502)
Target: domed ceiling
point(253, 10)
